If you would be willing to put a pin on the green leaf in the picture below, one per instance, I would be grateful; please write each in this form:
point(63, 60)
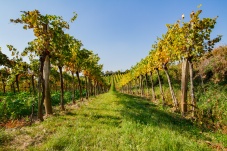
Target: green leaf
point(74, 17)
point(199, 5)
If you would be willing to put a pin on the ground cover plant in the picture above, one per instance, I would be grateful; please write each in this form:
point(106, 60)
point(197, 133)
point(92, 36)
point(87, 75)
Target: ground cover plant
point(113, 121)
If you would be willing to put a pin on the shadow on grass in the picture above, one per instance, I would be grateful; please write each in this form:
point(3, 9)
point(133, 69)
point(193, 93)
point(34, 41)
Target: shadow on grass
point(109, 120)
point(146, 113)
point(70, 113)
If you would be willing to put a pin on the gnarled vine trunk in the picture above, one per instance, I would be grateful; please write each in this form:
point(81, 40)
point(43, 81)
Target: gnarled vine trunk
point(41, 88)
point(138, 87)
point(160, 86)
point(46, 70)
point(175, 102)
point(33, 84)
point(87, 87)
point(193, 102)
point(141, 86)
point(73, 88)
point(146, 80)
point(184, 87)
point(80, 88)
point(152, 88)
point(62, 89)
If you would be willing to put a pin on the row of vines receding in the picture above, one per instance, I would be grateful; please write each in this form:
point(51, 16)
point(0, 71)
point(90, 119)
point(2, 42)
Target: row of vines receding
point(185, 72)
point(60, 70)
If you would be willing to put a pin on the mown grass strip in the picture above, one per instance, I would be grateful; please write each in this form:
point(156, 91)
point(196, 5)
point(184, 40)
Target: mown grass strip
point(115, 121)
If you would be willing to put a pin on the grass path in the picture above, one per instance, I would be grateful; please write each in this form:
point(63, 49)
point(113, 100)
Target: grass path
point(110, 122)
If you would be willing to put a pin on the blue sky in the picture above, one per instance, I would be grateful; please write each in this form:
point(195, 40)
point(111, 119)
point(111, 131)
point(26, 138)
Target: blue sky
point(121, 32)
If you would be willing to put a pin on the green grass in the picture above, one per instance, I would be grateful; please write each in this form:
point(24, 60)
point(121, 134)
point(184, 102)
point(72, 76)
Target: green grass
point(111, 122)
